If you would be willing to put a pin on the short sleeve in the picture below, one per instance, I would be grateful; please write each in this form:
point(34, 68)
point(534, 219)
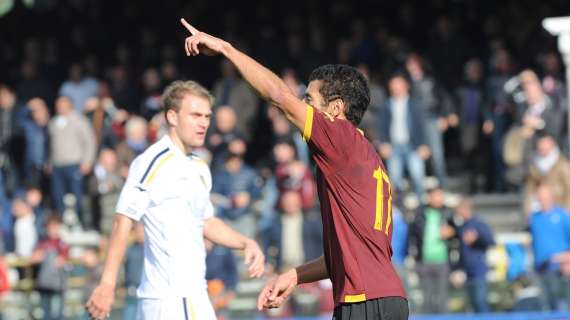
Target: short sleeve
point(209, 210)
point(134, 199)
point(207, 180)
point(329, 139)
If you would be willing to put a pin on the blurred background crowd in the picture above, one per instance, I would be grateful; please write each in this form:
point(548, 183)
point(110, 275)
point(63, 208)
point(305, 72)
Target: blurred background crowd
point(468, 112)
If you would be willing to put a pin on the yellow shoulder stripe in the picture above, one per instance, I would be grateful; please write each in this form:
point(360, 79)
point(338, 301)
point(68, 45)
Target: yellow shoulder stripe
point(155, 169)
point(308, 129)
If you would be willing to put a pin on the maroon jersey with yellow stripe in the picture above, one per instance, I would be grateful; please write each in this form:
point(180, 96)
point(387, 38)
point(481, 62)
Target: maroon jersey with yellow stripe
point(356, 206)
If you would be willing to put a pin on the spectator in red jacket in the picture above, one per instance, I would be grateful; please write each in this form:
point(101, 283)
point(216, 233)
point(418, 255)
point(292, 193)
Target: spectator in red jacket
point(293, 175)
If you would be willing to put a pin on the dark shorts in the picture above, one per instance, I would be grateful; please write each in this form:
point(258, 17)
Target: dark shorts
point(389, 308)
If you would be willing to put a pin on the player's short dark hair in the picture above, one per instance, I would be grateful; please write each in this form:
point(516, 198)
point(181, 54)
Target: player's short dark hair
point(347, 83)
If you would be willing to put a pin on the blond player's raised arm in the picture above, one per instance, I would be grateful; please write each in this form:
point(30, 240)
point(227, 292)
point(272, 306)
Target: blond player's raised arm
point(264, 81)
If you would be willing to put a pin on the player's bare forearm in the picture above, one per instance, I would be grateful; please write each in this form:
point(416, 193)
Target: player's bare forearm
point(117, 247)
point(312, 271)
point(268, 85)
point(265, 82)
point(220, 233)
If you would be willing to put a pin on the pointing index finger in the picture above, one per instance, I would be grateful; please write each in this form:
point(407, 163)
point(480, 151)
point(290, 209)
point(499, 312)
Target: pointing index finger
point(189, 27)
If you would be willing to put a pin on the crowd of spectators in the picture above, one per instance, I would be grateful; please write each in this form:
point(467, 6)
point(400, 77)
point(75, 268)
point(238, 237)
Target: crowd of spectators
point(470, 89)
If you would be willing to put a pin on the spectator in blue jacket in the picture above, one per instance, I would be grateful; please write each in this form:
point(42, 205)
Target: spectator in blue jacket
point(37, 144)
point(402, 135)
point(475, 238)
point(235, 187)
point(550, 229)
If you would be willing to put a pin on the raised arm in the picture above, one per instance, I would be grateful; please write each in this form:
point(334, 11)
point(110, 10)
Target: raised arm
point(269, 86)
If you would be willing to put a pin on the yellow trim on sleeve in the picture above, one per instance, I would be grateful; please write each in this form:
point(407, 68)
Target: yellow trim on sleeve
point(354, 298)
point(155, 170)
point(308, 124)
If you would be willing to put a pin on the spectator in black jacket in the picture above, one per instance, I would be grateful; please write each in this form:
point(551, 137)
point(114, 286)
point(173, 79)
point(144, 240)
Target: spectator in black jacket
point(470, 97)
point(475, 238)
point(438, 110)
point(402, 135)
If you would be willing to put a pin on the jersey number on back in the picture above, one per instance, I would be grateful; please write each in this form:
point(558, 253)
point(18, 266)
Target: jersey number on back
point(382, 182)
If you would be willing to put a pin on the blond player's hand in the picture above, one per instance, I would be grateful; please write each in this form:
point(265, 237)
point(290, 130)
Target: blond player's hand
point(201, 42)
point(277, 291)
point(254, 259)
point(99, 304)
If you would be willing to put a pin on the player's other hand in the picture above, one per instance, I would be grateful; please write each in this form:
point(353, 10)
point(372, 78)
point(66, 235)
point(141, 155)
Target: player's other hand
point(277, 290)
point(99, 304)
point(200, 42)
point(254, 259)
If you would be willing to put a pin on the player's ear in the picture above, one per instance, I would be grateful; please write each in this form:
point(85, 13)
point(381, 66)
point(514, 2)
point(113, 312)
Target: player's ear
point(172, 117)
point(338, 107)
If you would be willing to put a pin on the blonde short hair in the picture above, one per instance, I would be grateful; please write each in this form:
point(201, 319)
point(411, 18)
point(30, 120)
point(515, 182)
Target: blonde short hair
point(175, 92)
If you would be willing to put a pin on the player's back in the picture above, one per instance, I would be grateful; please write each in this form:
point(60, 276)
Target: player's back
point(355, 195)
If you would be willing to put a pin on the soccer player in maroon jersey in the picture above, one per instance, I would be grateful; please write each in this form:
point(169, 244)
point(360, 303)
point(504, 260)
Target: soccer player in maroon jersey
point(353, 187)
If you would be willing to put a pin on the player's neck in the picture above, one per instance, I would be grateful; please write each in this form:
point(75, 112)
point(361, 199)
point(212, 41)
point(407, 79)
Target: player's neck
point(341, 116)
point(178, 143)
